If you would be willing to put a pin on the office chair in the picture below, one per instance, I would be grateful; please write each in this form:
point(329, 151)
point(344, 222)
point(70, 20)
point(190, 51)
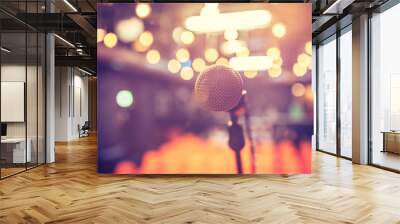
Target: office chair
point(84, 130)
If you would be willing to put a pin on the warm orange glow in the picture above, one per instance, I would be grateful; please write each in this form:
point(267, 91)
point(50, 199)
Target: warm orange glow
point(139, 47)
point(211, 54)
point(186, 73)
point(100, 35)
point(308, 48)
point(279, 30)
point(309, 95)
point(146, 39)
point(143, 10)
point(125, 167)
point(191, 154)
point(153, 56)
point(110, 40)
point(182, 55)
point(299, 69)
point(298, 89)
point(199, 64)
point(174, 66)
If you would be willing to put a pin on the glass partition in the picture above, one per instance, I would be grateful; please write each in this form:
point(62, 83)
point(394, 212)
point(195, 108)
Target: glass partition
point(385, 89)
point(22, 90)
point(31, 99)
point(14, 153)
point(327, 96)
point(41, 96)
point(346, 94)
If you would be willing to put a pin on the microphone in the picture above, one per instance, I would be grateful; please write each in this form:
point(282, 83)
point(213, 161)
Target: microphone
point(218, 88)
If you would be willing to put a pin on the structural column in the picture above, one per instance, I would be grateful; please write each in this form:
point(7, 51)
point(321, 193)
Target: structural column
point(50, 92)
point(360, 90)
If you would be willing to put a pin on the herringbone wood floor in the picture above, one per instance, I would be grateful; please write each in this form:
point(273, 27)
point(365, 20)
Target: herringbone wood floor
point(70, 191)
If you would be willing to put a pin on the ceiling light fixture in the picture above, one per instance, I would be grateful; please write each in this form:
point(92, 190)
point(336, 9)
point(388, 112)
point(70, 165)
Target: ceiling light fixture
point(64, 40)
point(337, 7)
point(5, 50)
point(84, 71)
point(70, 5)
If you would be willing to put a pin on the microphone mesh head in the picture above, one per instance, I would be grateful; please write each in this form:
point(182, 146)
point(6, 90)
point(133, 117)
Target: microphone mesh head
point(218, 88)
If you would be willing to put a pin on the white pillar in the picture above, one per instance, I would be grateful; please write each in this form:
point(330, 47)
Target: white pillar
point(360, 90)
point(50, 93)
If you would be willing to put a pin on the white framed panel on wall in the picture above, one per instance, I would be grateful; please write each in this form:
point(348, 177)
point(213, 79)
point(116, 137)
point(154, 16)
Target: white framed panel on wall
point(12, 101)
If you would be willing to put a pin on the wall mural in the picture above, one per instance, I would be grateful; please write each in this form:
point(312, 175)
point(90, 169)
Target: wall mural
point(195, 88)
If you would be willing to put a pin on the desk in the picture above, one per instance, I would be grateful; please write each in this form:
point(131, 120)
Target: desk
point(17, 150)
point(391, 141)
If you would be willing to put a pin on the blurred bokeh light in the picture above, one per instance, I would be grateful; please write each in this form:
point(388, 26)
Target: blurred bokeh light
point(128, 30)
point(182, 55)
point(211, 54)
point(124, 98)
point(199, 64)
point(186, 73)
point(146, 39)
point(153, 56)
point(174, 66)
point(279, 30)
point(110, 40)
point(143, 10)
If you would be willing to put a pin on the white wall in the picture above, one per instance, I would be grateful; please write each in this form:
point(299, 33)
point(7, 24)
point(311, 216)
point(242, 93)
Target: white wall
point(70, 83)
point(16, 73)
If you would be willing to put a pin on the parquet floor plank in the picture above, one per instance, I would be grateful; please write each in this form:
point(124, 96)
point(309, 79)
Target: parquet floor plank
point(70, 191)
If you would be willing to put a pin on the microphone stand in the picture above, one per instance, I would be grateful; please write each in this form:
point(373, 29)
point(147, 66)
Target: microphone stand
point(236, 139)
point(236, 136)
point(250, 136)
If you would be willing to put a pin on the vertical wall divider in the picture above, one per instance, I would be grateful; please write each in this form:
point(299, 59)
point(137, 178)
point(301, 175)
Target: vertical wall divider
point(317, 97)
point(37, 90)
point(369, 96)
point(338, 80)
point(0, 94)
point(26, 87)
point(31, 136)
